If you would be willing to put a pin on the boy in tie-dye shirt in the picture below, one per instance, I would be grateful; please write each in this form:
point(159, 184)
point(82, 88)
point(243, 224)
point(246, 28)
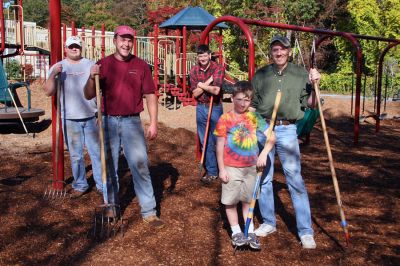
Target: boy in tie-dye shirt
point(238, 133)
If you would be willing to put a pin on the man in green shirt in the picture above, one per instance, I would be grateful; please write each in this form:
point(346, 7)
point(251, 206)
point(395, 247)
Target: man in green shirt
point(294, 83)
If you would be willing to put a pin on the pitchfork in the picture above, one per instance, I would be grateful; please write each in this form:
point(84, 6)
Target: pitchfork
point(108, 220)
point(57, 187)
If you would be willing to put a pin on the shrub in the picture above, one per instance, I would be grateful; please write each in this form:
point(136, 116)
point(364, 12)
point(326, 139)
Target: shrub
point(13, 69)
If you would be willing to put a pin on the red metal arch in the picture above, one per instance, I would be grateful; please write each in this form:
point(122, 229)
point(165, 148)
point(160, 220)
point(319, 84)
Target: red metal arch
point(379, 90)
point(246, 31)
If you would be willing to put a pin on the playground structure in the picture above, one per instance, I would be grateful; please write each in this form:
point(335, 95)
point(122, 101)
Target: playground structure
point(13, 39)
point(351, 37)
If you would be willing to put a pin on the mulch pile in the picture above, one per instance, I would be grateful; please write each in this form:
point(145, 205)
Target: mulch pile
point(35, 231)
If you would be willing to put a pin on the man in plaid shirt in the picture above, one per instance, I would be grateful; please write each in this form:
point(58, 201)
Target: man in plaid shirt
point(205, 81)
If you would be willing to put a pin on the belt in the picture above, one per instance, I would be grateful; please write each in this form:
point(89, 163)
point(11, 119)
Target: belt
point(208, 104)
point(281, 122)
point(122, 116)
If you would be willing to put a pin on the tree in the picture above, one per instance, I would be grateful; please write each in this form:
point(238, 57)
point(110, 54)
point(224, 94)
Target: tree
point(36, 11)
point(301, 12)
point(131, 12)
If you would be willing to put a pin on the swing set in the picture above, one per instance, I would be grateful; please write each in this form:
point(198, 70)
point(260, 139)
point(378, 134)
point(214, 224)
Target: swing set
point(323, 33)
point(354, 39)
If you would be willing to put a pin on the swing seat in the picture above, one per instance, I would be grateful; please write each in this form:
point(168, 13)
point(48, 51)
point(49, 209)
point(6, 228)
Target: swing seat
point(305, 125)
point(8, 112)
point(396, 96)
point(5, 96)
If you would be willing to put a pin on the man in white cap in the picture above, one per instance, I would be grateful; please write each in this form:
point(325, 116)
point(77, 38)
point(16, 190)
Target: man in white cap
point(78, 114)
point(124, 80)
point(297, 93)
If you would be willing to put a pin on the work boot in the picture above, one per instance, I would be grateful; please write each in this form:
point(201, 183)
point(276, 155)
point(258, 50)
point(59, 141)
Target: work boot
point(154, 221)
point(77, 194)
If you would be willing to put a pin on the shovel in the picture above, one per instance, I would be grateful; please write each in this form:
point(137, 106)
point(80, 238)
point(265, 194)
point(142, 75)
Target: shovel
point(260, 171)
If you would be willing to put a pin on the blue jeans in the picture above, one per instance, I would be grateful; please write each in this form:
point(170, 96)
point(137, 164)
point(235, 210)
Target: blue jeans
point(288, 151)
point(77, 134)
point(210, 160)
point(127, 133)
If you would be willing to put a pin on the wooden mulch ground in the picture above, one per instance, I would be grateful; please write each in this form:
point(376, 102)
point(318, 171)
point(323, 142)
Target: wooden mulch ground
point(54, 232)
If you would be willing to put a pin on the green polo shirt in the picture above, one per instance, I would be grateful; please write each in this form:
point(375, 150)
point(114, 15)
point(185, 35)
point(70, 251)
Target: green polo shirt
point(294, 85)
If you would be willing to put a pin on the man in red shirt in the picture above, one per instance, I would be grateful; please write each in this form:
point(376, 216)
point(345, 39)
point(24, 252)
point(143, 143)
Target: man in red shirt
point(205, 81)
point(124, 80)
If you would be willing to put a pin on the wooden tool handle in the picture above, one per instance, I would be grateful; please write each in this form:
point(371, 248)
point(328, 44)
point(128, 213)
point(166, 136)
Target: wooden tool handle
point(274, 113)
point(58, 114)
point(205, 140)
point(332, 167)
point(101, 132)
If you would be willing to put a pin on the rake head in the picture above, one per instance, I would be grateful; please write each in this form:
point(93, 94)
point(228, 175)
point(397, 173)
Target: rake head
point(55, 190)
point(108, 221)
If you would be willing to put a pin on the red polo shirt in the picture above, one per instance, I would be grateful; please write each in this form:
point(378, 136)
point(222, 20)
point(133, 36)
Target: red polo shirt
point(123, 84)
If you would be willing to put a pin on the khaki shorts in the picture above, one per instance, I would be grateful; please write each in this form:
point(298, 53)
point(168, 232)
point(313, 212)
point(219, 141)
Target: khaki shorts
point(240, 185)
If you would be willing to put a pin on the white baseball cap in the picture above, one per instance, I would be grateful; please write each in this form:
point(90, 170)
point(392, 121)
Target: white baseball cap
point(73, 40)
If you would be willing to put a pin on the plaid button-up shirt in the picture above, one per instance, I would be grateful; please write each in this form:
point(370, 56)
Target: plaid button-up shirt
point(197, 74)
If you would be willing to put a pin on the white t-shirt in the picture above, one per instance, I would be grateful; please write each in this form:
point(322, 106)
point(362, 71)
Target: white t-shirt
point(73, 102)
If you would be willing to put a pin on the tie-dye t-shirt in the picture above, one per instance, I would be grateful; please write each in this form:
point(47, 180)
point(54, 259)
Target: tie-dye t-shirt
point(242, 132)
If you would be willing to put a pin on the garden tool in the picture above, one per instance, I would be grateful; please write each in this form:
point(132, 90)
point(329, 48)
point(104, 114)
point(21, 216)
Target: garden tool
point(108, 220)
point(328, 148)
point(205, 140)
point(333, 172)
point(57, 187)
point(256, 189)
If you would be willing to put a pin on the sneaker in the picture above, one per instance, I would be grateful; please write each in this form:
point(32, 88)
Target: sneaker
point(239, 239)
point(208, 179)
point(307, 241)
point(253, 241)
point(154, 221)
point(264, 230)
point(77, 194)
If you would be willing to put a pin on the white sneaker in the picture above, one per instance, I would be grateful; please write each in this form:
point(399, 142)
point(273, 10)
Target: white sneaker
point(307, 241)
point(264, 230)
